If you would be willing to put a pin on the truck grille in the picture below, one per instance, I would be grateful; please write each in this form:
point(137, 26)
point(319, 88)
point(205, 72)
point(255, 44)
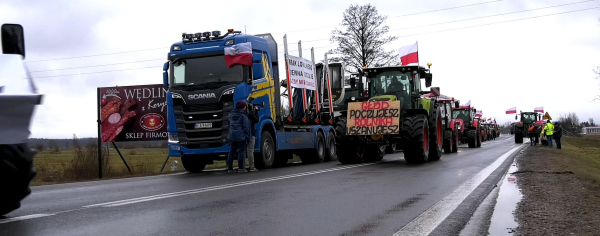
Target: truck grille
point(216, 113)
point(203, 107)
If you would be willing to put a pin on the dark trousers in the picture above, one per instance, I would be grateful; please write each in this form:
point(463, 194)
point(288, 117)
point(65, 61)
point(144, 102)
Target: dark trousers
point(239, 148)
point(558, 146)
point(549, 140)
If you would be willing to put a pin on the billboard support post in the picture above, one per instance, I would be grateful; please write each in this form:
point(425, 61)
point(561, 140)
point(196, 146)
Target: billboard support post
point(99, 135)
point(124, 162)
point(164, 164)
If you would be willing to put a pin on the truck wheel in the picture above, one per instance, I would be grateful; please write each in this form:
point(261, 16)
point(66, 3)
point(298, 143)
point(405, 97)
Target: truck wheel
point(266, 156)
point(193, 164)
point(391, 148)
point(436, 135)
point(472, 138)
point(331, 148)
point(316, 155)
point(518, 136)
point(16, 172)
point(455, 143)
point(415, 133)
point(448, 141)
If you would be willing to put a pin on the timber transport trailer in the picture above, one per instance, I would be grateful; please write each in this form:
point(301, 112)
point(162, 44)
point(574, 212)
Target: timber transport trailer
point(527, 119)
point(419, 128)
point(469, 125)
point(203, 90)
point(18, 98)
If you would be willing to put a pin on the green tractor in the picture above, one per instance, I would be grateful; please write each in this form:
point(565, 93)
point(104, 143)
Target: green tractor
point(420, 130)
point(527, 119)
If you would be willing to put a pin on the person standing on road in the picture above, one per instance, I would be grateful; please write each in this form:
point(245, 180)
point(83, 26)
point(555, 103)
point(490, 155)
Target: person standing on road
point(558, 135)
point(532, 135)
point(239, 134)
point(549, 130)
point(253, 116)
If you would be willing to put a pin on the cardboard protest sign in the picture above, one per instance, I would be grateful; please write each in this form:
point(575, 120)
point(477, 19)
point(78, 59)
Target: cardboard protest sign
point(367, 118)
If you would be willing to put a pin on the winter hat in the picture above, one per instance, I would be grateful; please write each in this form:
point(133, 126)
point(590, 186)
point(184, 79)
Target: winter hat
point(240, 105)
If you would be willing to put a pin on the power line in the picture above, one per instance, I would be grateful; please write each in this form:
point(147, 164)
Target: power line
point(468, 19)
point(96, 55)
point(322, 27)
point(71, 68)
point(98, 72)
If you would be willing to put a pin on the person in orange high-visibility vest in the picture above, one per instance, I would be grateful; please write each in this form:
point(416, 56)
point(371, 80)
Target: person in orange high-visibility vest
point(532, 136)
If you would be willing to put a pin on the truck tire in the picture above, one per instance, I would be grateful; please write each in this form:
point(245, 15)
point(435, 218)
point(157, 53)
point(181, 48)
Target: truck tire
point(316, 155)
point(16, 172)
point(472, 138)
point(455, 143)
point(266, 156)
point(391, 148)
point(436, 135)
point(331, 148)
point(518, 136)
point(415, 135)
point(194, 164)
point(448, 141)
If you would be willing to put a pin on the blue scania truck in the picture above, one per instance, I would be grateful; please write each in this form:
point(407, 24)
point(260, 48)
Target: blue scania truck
point(203, 90)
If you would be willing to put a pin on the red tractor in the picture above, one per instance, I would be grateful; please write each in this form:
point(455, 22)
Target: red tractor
point(468, 126)
point(451, 130)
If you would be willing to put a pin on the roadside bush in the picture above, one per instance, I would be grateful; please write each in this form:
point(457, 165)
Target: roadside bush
point(85, 163)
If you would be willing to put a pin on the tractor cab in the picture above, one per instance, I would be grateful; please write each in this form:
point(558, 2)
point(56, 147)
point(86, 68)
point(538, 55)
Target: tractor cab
point(527, 119)
point(397, 83)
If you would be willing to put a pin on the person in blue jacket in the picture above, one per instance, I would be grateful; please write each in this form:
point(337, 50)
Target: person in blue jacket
point(239, 134)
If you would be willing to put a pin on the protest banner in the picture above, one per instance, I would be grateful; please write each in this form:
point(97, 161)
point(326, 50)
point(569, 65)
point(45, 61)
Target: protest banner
point(302, 73)
point(379, 117)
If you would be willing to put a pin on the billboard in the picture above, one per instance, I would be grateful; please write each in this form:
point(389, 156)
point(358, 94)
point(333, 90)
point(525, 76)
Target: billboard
point(133, 113)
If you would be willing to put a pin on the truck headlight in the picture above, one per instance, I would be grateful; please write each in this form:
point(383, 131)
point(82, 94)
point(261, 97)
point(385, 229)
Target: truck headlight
point(173, 138)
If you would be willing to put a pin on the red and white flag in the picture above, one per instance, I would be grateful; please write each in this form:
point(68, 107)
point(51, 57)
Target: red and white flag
point(467, 105)
point(512, 110)
point(479, 114)
point(539, 109)
point(239, 54)
point(409, 54)
point(489, 119)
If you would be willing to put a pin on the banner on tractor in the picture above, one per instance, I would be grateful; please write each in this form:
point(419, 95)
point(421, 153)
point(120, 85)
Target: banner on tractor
point(368, 118)
point(302, 73)
point(133, 113)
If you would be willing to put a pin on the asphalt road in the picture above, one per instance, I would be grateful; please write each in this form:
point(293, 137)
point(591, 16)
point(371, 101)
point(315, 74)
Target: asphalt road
point(385, 198)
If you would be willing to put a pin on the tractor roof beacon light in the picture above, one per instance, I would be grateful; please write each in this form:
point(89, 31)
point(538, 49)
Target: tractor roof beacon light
point(229, 30)
point(429, 64)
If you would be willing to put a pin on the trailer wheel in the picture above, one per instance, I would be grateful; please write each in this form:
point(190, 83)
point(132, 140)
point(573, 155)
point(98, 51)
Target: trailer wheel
point(436, 135)
point(415, 133)
point(448, 141)
point(266, 156)
point(316, 155)
point(16, 172)
point(194, 164)
point(331, 148)
point(472, 138)
point(455, 143)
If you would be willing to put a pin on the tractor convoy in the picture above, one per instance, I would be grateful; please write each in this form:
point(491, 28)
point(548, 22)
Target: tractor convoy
point(379, 111)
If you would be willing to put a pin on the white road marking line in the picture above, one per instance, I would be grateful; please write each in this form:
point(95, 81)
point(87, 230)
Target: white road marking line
point(219, 187)
point(425, 223)
point(26, 217)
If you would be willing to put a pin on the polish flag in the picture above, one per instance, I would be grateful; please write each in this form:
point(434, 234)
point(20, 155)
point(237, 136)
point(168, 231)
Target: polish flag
point(467, 105)
point(239, 54)
point(539, 109)
point(479, 114)
point(489, 119)
point(409, 54)
point(512, 110)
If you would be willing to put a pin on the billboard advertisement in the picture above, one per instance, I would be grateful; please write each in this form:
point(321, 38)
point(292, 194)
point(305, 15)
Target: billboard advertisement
point(133, 113)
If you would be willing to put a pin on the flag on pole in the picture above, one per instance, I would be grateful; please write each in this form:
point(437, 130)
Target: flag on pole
point(512, 110)
point(538, 109)
point(489, 119)
point(479, 113)
point(467, 105)
point(409, 54)
point(239, 54)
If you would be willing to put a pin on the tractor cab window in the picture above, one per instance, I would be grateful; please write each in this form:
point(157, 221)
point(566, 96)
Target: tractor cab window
point(461, 114)
point(528, 118)
point(390, 83)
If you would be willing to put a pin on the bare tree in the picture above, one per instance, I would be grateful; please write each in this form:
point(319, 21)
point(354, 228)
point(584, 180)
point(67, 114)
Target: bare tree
point(362, 38)
point(570, 123)
point(591, 121)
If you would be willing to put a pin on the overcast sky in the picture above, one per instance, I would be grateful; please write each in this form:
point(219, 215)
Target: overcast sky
point(545, 61)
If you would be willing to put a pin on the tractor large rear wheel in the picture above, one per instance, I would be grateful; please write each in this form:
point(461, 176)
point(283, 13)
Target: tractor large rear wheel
point(455, 143)
point(16, 172)
point(415, 135)
point(479, 138)
point(436, 134)
point(472, 138)
point(448, 141)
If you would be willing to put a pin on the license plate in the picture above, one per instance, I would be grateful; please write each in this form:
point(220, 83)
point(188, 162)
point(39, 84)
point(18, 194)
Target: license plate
point(202, 125)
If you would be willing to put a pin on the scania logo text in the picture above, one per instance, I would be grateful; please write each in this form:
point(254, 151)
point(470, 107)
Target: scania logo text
point(201, 96)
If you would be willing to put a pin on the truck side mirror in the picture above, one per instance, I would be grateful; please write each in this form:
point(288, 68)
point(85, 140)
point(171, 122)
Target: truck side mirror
point(457, 104)
point(428, 79)
point(515, 117)
point(13, 39)
point(166, 75)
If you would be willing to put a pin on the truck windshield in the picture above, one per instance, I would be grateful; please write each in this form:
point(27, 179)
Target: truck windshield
point(460, 114)
point(204, 70)
point(390, 82)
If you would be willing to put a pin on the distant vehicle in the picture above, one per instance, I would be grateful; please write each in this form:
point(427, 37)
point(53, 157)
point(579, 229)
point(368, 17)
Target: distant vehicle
point(18, 98)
